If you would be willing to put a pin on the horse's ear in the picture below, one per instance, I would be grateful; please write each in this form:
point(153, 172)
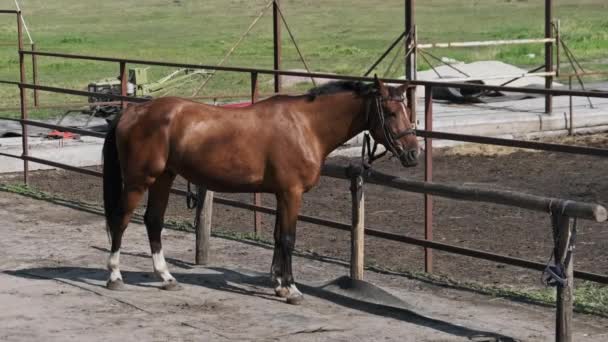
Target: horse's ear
point(379, 85)
point(402, 89)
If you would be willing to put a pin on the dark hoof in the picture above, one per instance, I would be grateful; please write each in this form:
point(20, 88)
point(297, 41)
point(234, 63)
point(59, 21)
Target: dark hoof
point(115, 285)
point(295, 299)
point(282, 292)
point(171, 286)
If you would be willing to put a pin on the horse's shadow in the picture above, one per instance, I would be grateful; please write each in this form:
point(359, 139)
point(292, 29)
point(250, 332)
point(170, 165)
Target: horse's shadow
point(250, 284)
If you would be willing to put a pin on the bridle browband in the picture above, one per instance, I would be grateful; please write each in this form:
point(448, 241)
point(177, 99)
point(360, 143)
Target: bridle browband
point(389, 137)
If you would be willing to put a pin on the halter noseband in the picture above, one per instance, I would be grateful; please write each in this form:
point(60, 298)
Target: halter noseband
point(389, 137)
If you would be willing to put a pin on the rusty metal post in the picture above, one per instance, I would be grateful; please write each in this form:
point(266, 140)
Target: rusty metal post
point(557, 51)
point(428, 177)
point(257, 197)
point(357, 238)
point(548, 55)
point(23, 98)
point(410, 60)
point(276, 34)
point(35, 74)
point(571, 126)
point(123, 83)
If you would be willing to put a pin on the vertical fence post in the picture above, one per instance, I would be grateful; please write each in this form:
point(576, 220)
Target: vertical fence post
point(571, 126)
point(123, 83)
point(35, 74)
point(276, 34)
point(202, 224)
point(428, 176)
point(357, 253)
point(23, 99)
point(257, 197)
point(548, 55)
point(563, 327)
point(410, 60)
point(557, 44)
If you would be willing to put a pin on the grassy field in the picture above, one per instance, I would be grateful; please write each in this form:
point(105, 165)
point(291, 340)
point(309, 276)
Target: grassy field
point(335, 36)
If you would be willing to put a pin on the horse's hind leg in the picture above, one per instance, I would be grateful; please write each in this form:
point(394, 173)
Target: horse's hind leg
point(116, 226)
point(158, 196)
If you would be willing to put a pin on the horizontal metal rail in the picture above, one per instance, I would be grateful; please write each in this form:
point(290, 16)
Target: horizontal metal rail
point(486, 43)
point(57, 127)
point(554, 92)
point(9, 82)
point(66, 106)
point(346, 227)
point(82, 92)
point(9, 12)
point(533, 145)
point(55, 164)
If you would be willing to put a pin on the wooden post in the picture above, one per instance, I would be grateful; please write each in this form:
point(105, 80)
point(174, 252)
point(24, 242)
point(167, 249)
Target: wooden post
point(563, 326)
point(358, 227)
point(202, 226)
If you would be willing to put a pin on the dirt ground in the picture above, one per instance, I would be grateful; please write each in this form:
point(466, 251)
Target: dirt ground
point(52, 278)
point(494, 228)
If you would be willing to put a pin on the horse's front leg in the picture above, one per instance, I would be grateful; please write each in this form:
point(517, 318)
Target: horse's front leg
point(288, 207)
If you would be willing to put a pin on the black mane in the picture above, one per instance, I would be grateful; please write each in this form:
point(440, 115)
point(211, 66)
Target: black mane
point(357, 87)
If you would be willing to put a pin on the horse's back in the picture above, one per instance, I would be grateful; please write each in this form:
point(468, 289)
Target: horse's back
point(230, 149)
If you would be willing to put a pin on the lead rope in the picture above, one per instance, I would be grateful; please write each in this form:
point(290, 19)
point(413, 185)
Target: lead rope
point(555, 272)
point(371, 151)
point(191, 197)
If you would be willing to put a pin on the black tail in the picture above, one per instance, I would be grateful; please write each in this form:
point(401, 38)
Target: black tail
point(112, 176)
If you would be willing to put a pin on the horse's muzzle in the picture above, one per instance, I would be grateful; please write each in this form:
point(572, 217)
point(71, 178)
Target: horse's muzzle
point(409, 158)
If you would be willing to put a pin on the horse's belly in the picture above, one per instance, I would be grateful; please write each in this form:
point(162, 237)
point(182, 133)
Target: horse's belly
point(223, 172)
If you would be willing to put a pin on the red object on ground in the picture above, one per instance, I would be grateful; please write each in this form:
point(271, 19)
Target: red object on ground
point(61, 135)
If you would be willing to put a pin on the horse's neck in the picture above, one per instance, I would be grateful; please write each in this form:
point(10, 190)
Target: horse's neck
point(341, 116)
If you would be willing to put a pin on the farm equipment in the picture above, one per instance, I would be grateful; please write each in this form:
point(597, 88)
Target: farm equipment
point(138, 85)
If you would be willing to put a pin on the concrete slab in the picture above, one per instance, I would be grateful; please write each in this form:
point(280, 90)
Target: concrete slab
point(489, 72)
point(85, 151)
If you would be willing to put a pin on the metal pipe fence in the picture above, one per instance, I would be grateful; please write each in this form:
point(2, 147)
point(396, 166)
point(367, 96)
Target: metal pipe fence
point(428, 188)
point(428, 134)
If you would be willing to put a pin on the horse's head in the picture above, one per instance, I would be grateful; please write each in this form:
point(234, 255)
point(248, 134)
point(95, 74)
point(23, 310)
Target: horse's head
point(389, 122)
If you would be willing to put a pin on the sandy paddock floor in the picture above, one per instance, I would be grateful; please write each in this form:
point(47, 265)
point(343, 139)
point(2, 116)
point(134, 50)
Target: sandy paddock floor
point(53, 272)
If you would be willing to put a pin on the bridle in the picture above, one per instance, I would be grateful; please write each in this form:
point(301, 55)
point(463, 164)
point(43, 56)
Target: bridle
point(389, 137)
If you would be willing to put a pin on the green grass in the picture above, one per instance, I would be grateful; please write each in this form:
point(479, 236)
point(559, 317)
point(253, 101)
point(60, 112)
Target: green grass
point(335, 36)
point(589, 297)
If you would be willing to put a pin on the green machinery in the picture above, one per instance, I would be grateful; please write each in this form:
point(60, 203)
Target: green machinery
point(139, 85)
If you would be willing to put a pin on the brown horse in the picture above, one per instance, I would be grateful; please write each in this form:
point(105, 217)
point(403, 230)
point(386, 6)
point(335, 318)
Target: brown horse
point(277, 146)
